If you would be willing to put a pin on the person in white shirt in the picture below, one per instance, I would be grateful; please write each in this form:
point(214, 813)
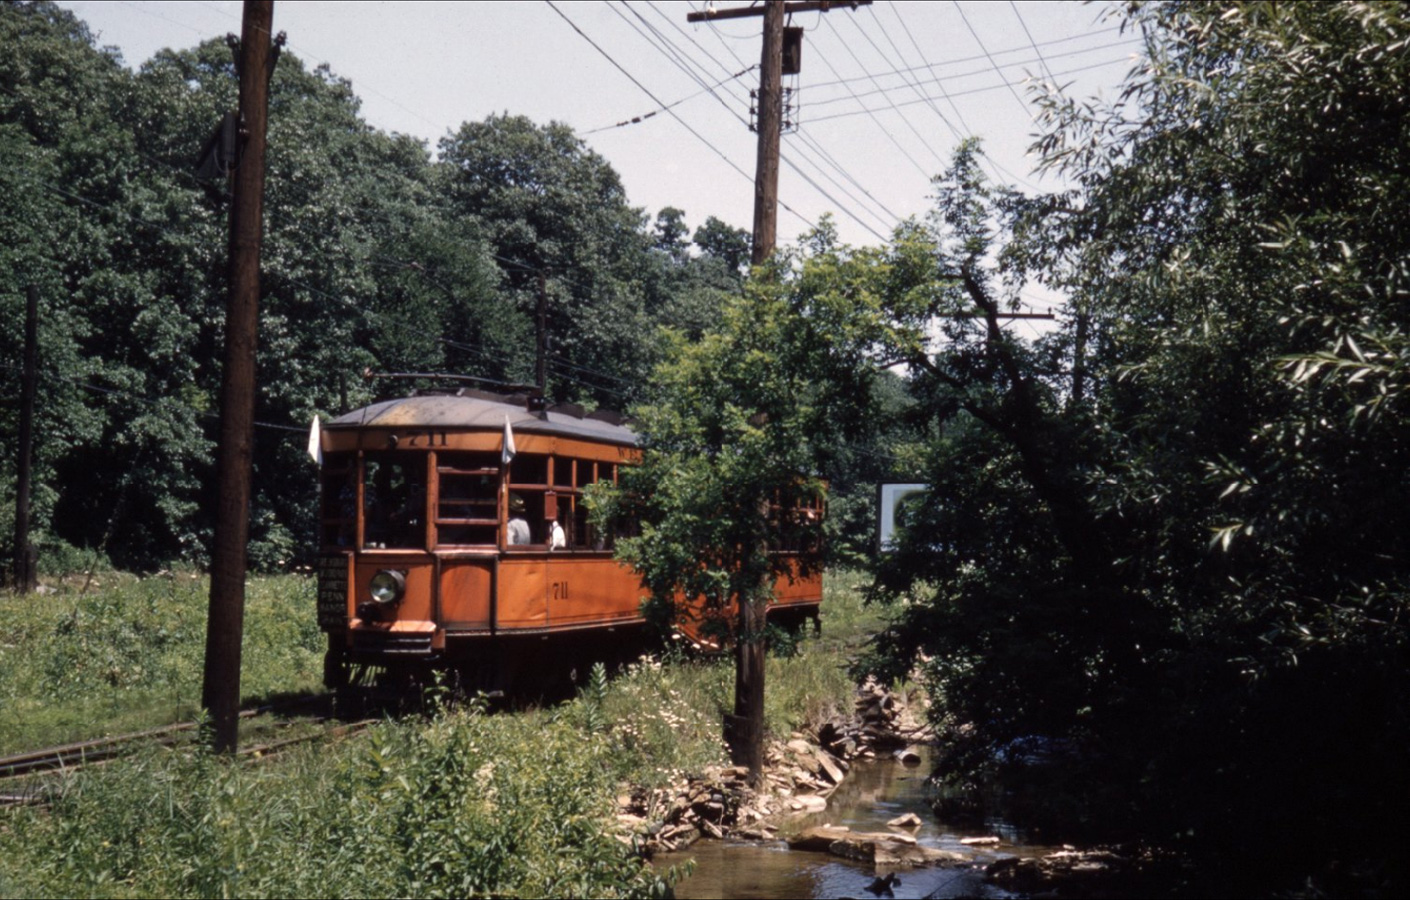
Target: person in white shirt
point(518, 526)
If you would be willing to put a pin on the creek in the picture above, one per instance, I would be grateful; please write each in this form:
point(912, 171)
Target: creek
point(874, 792)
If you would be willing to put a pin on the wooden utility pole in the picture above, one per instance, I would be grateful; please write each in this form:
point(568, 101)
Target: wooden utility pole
point(744, 731)
point(25, 575)
point(220, 694)
point(770, 119)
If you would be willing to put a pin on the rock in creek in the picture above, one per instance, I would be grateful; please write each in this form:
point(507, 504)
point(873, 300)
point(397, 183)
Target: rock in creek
point(885, 851)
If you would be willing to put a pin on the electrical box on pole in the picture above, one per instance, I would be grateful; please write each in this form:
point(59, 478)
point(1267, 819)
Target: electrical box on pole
point(792, 51)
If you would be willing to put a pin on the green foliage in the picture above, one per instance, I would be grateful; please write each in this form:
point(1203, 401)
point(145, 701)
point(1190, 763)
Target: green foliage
point(462, 806)
point(753, 413)
point(374, 256)
point(727, 244)
point(462, 803)
point(1163, 544)
point(661, 717)
point(127, 654)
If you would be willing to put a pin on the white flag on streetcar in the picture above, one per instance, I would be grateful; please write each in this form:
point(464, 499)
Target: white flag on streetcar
point(315, 441)
point(508, 452)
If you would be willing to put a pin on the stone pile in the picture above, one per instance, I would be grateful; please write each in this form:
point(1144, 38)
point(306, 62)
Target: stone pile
point(799, 775)
point(706, 805)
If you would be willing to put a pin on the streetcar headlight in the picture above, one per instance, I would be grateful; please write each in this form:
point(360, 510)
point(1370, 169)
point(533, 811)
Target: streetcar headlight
point(387, 586)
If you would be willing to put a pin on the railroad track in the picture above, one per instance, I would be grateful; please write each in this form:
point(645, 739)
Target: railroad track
point(23, 776)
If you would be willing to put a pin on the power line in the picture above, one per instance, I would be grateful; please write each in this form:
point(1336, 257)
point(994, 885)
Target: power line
point(940, 80)
point(915, 86)
point(792, 165)
point(978, 90)
point(884, 130)
point(909, 124)
point(644, 116)
point(895, 11)
point(809, 142)
point(886, 222)
point(932, 66)
point(1041, 61)
point(647, 91)
point(989, 56)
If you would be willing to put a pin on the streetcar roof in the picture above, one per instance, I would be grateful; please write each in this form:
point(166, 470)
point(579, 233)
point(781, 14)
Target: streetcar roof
point(483, 413)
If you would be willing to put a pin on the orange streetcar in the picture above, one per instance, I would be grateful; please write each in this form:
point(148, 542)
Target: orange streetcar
point(453, 532)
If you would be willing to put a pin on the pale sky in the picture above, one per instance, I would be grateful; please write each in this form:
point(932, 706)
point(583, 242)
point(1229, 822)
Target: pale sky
point(424, 68)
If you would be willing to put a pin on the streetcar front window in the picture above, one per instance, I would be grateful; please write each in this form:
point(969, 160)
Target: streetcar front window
point(338, 500)
point(394, 501)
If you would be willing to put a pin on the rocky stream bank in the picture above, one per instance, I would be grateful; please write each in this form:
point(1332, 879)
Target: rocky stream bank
point(801, 776)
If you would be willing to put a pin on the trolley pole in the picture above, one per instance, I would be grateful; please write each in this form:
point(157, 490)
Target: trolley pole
point(541, 337)
point(220, 694)
point(25, 575)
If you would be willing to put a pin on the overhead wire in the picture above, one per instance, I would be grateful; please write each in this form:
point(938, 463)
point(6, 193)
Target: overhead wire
point(809, 142)
point(643, 117)
point(846, 45)
point(940, 80)
point(1041, 61)
point(978, 90)
point(993, 163)
point(985, 50)
point(884, 129)
point(680, 55)
point(644, 89)
point(932, 66)
point(806, 178)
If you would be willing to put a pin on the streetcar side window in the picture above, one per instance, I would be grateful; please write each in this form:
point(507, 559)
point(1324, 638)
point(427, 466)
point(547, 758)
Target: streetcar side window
point(467, 501)
point(528, 490)
point(585, 534)
point(394, 501)
point(796, 523)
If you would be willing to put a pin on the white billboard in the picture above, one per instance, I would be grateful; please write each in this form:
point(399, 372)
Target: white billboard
point(893, 496)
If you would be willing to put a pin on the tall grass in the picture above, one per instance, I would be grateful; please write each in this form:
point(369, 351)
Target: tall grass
point(128, 653)
point(664, 718)
point(462, 805)
point(457, 803)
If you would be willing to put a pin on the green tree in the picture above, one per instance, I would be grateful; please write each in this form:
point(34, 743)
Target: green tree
point(1204, 604)
point(746, 417)
point(724, 242)
point(551, 209)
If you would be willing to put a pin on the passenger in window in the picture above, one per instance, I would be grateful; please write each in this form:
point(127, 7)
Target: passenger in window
point(518, 525)
point(557, 539)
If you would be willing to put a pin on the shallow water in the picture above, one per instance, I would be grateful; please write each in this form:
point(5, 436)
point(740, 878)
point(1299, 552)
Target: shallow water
point(875, 792)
